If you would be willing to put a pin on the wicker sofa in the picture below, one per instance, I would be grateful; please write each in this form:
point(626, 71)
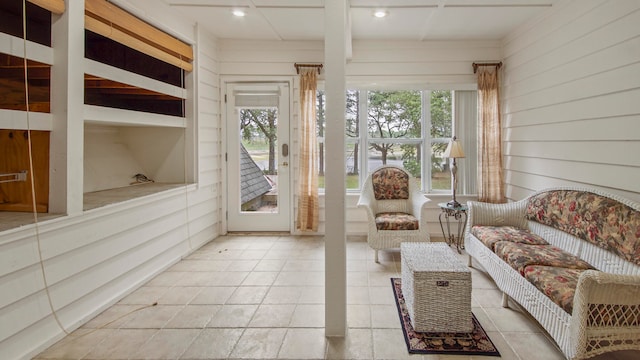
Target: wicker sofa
point(571, 258)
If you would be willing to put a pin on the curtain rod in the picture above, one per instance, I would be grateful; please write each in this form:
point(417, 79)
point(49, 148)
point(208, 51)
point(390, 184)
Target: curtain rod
point(298, 66)
point(496, 64)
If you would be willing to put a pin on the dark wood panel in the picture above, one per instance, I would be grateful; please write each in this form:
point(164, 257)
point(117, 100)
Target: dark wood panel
point(14, 145)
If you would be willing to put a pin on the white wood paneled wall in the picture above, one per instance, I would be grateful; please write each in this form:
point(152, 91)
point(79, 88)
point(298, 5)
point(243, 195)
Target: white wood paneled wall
point(95, 258)
point(571, 91)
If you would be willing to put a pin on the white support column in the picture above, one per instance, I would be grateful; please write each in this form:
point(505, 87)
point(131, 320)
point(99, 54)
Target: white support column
point(335, 18)
point(67, 101)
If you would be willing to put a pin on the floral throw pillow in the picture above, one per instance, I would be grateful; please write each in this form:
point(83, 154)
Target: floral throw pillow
point(390, 184)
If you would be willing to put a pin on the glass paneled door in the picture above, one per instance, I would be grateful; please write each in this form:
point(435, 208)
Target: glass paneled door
point(258, 160)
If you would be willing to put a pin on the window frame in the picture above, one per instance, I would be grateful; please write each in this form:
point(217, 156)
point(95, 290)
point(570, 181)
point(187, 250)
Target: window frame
point(425, 140)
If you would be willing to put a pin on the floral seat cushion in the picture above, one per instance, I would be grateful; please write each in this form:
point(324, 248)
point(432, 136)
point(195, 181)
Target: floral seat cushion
point(390, 184)
point(557, 283)
point(519, 256)
point(396, 221)
point(489, 235)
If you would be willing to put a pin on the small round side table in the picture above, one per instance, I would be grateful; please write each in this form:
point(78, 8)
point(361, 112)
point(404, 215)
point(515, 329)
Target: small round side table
point(448, 215)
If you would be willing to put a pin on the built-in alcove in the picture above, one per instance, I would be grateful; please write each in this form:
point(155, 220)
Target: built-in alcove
point(110, 52)
point(116, 156)
point(12, 84)
point(109, 93)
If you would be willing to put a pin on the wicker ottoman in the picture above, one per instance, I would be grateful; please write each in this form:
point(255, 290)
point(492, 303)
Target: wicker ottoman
point(436, 287)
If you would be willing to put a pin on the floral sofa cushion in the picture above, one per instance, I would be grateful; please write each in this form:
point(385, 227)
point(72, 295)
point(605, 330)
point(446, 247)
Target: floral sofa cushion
point(519, 256)
point(396, 221)
point(390, 184)
point(600, 220)
point(489, 235)
point(557, 283)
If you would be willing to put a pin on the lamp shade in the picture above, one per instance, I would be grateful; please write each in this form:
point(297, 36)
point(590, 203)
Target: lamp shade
point(454, 149)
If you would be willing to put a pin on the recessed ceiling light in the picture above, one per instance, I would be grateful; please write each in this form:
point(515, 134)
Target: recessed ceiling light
point(380, 13)
point(239, 12)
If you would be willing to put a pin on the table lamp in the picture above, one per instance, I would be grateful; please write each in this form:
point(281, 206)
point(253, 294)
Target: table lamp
point(454, 151)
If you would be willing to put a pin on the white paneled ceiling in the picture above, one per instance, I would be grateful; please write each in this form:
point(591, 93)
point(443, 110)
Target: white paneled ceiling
point(406, 19)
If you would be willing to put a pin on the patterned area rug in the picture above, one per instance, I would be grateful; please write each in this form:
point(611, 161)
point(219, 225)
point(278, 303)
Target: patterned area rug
point(474, 343)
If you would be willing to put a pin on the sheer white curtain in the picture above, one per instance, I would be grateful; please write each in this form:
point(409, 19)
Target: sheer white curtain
point(490, 176)
point(308, 167)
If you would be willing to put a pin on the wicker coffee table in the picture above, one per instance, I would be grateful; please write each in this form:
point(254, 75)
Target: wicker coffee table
point(436, 287)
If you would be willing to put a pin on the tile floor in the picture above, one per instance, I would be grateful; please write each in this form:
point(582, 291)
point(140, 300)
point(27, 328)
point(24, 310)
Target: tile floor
point(262, 297)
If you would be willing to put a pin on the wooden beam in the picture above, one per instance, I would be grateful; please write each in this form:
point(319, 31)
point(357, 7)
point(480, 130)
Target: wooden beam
point(115, 34)
point(55, 6)
point(134, 27)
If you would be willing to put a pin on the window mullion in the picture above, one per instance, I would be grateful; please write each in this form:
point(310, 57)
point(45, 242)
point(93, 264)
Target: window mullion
point(363, 111)
point(426, 136)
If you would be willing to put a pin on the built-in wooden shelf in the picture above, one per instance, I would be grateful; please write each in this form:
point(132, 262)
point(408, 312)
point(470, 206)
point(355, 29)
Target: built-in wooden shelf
point(119, 117)
point(97, 199)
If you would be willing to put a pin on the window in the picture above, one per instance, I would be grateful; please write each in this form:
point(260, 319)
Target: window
point(409, 129)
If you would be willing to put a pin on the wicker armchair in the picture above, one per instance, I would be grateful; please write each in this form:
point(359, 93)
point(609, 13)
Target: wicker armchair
point(395, 209)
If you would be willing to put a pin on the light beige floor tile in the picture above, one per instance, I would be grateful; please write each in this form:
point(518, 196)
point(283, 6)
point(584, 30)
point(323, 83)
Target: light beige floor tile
point(259, 344)
point(270, 265)
point(166, 344)
point(193, 317)
point(298, 278)
point(261, 244)
point(481, 280)
point(304, 265)
point(253, 254)
point(357, 278)
point(213, 344)
point(390, 344)
point(242, 265)
point(358, 295)
point(225, 254)
point(359, 316)
point(358, 344)
point(272, 315)
point(509, 320)
point(303, 344)
point(227, 278)
point(356, 265)
point(532, 346)
point(385, 316)
point(312, 295)
point(278, 254)
point(197, 278)
point(76, 345)
point(264, 278)
point(382, 279)
point(484, 319)
point(179, 295)
point(487, 298)
point(233, 316)
point(213, 295)
point(387, 267)
point(381, 295)
point(309, 316)
point(168, 278)
point(121, 344)
point(505, 350)
point(248, 295)
point(113, 317)
point(201, 265)
point(303, 335)
point(154, 317)
point(144, 295)
point(283, 295)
